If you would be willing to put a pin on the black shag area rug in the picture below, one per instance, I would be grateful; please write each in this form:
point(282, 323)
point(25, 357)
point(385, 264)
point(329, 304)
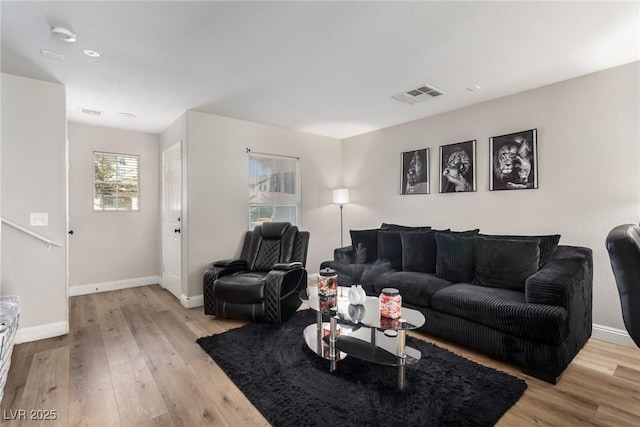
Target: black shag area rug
point(292, 386)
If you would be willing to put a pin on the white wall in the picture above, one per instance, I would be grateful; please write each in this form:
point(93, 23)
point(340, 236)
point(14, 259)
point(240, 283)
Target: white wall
point(217, 182)
point(589, 173)
point(33, 180)
point(112, 246)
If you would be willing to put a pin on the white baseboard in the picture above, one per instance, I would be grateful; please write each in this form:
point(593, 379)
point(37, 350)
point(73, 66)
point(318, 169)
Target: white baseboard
point(41, 332)
point(191, 302)
point(93, 288)
point(612, 335)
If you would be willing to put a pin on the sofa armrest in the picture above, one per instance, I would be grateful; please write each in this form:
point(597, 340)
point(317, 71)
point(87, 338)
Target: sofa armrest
point(565, 280)
point(230, 263)
point(287, 265)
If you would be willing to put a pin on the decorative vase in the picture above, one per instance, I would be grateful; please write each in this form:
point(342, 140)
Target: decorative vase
point(356, 312)
point(357, 296)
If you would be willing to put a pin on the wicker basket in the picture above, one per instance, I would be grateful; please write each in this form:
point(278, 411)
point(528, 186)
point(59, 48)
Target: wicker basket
point(9, 314)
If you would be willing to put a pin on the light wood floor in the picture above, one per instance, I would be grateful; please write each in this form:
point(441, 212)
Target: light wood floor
point(131, 359)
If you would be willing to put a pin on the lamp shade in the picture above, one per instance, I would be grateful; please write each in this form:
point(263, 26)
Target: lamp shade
point(341, 196)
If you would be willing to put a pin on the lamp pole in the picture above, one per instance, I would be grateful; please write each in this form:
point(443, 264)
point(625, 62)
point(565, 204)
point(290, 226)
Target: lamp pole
point(340, 197)
point(341, 232)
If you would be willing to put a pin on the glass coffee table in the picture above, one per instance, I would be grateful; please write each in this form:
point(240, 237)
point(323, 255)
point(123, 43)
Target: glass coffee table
point(360, 331)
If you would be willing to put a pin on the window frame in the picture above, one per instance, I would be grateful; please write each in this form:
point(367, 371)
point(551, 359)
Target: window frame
point(117, 156)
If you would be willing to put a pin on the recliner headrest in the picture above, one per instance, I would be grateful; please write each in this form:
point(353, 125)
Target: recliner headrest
point(274, 230)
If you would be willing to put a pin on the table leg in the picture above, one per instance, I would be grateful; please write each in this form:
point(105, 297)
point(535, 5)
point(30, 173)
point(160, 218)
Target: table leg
point(319, 342)
point(402, 358)
point(332, 343)
point(373, 337)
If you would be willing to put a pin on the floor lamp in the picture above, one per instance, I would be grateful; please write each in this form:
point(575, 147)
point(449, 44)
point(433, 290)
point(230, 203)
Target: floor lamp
point(340, 197)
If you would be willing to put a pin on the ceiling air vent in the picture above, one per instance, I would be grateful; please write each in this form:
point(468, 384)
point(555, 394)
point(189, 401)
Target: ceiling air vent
point(419, 94)
point(90, 112)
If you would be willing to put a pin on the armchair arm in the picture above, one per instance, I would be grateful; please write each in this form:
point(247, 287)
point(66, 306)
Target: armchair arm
point(230, 263)
point(566, 280)
point(287, 265)
point(281, 293)
point(211, 274)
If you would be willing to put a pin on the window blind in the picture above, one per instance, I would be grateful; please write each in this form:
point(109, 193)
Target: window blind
point(116, 182)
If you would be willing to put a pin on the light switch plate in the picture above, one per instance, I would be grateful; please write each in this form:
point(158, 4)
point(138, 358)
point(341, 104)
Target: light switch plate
point(39, 219)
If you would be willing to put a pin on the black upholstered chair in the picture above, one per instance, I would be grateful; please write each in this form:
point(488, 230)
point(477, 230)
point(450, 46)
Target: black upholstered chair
point(623, 244)
point(264, 283)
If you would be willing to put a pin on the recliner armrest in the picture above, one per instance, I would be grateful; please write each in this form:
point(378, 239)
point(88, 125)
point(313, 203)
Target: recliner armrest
point(230, 263)
point(287, 265)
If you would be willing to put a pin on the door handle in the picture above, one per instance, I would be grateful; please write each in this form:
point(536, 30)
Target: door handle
point(71, 232)
point(177, 230)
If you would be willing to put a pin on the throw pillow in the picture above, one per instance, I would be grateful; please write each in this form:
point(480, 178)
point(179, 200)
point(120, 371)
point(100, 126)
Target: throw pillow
point(455, 259)
point(366, 240)
point(468, 233)
point(396, 227)
point(548, 243)
point(504, 263)
point(390, 248)
point(419, 251)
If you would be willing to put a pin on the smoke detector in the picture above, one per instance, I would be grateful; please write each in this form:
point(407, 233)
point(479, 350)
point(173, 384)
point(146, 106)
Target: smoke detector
point(419, 94)
point(64, 34)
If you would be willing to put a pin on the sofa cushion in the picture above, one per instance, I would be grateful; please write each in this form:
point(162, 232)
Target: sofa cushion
point(415, 288)
point(419, 251)
point(390, 248)
point(548, 243)
point(505, 263)
point(366, 243)
point(505, 310)
point(250, 283)
point(455, 259)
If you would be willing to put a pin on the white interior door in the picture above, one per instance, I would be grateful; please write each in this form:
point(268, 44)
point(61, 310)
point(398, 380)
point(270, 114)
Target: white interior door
point(171, 219)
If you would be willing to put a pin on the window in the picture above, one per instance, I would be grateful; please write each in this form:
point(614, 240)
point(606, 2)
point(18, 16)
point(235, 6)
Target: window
point(116, 182)
point(273, 189)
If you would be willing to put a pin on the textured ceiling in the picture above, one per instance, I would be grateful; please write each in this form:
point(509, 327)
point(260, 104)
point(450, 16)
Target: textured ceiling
point(328, 68)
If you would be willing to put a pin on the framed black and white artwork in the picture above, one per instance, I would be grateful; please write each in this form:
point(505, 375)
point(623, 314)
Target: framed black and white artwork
point(514, 161)
point(415, 172)
point(458, 167)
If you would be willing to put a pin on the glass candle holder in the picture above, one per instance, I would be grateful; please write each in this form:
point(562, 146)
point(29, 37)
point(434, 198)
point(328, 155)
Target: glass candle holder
point(390, 303)
point(327, 283)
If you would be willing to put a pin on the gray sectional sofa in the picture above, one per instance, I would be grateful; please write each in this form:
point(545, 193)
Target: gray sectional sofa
point(520, 299)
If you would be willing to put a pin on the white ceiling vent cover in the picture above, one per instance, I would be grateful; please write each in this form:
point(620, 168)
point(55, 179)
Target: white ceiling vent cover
point(90, 112)
point(419, 94)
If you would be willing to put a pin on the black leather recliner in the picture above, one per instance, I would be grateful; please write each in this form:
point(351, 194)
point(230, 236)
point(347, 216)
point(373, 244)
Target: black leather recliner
point(263, 285)
point(623, 244)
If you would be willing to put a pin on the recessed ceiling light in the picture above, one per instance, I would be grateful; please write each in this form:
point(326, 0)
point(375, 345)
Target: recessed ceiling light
point(91, 53)
point(64, 34)
point(127, 115)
